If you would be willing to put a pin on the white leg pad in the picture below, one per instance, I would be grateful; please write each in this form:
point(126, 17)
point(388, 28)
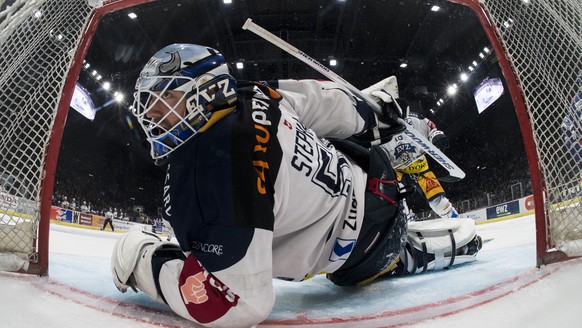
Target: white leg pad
point(435, 233)
point(441, 238)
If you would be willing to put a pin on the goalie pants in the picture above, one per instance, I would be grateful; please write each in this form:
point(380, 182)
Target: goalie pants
point(384, 230)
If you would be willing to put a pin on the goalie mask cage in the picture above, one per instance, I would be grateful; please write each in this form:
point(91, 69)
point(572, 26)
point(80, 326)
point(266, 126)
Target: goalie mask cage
point(43, 43)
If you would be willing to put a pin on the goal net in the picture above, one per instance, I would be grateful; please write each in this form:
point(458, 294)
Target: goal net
point(542, 40)
point(38, 44)
point(43, 43)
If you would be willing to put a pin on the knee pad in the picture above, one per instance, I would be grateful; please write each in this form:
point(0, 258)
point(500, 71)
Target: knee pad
point(438, 244)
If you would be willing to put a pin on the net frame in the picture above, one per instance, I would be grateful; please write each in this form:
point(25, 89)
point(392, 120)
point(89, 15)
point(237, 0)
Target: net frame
point(557, 223)
point(78, 18)
point(539, 46)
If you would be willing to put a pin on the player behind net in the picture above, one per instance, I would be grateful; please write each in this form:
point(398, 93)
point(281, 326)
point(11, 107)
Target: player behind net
point(253, 192)
point(409, 160)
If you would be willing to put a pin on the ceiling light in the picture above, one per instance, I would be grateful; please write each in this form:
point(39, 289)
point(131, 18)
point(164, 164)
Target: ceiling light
point(38, 14)
point(403, 65)
point(227, 1)
point(99, 77)
point(118, 96)
point(87, 65)
point(481, 55)
point(435, 8)
point(471, 68)
point(106, 85)
point(452, 90)
point(132, 15)
point(94, 73)
point(486, 50)
point(240, 65)
point(332, 62)
point(464, 77)
point(474, 63)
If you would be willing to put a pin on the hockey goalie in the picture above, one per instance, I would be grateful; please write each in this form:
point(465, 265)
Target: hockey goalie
point(263, 182)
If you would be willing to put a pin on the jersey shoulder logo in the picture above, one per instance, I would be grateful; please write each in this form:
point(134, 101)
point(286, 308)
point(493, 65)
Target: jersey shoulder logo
point(206, 298)
point(193, 290)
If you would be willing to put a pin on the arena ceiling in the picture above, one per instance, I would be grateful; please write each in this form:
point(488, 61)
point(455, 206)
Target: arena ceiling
point(369, 39)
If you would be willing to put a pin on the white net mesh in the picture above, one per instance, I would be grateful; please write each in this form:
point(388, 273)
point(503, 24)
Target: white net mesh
point(543, 40)
point(38, 40)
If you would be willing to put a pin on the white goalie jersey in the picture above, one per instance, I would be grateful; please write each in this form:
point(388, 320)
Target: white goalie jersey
point(260, 195)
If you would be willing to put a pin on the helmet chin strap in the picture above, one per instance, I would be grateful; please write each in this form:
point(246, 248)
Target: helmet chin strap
point(216, 117)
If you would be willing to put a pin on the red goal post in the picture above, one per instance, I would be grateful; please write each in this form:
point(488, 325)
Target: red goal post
point(42, 46)
point(43, 43)
point(539, 48)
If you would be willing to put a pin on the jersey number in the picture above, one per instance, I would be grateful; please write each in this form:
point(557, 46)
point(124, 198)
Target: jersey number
point(334, 184)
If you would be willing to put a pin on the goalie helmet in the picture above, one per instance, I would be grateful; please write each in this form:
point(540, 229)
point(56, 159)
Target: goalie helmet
point(201, 77)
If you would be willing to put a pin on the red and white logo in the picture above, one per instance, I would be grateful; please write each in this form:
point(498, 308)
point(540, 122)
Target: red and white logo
point(193, 290)
point(206, 298)
point(430, 184)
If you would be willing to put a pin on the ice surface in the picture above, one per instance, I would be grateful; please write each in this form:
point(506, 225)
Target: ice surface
point(502, 289)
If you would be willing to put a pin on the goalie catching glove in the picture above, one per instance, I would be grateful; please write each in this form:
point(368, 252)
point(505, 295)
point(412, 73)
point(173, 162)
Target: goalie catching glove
point(385, 93)
point(132, 261)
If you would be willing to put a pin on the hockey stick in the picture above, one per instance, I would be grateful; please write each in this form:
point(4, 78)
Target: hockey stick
point(454, 171)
